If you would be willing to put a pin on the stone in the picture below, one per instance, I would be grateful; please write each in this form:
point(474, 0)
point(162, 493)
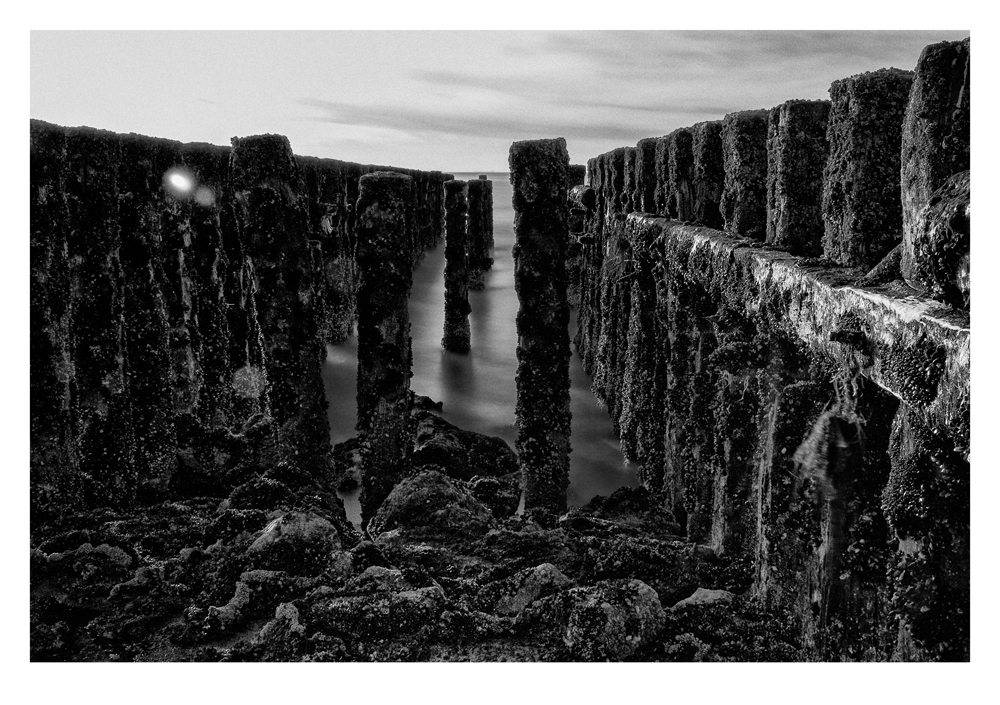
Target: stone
point(501, 494)
point(608, 621)
point(431, 503)
point(703, 596)
point(379, 616)
point(379, 579)
point(301, 543)
point(461, 454)
point(530, 585)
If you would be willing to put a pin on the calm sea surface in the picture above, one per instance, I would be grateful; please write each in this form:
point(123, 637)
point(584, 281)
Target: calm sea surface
point(478, 389)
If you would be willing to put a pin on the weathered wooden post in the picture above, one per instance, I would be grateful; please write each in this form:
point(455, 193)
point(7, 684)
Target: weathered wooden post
point(796, 154)
point(862, 212)
point(384, 344)
point(539, 174)
point(936, 146)
point(744, 151)
point(457, 333)
point(680, 156)
point(478, 255)
point(272, 222)
point(709, 173)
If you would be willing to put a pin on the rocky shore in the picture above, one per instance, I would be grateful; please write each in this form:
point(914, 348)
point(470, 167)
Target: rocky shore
point(264, 566)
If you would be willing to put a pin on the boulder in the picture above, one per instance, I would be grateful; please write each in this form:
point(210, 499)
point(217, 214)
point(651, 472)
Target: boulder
point(379, 616)
point(530, 585)
point(431, 501)
point(501, 495)
point(301, 543)
point(461, 454)
point(703, 596)
point(608, 621)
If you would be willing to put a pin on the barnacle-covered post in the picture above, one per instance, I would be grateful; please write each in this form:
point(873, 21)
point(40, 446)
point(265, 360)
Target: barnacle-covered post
point(862, 209)
point(744, 153)
point(539, 172)
point(384, 344)
point(796, 155)
point(936, 147)
point(457, 333)
point(479, 251)
point(272, 220)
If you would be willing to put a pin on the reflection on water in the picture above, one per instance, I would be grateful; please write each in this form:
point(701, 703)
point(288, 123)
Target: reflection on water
point(478, 389)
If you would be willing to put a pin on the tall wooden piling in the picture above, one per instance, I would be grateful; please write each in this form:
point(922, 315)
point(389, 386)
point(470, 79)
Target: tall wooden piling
point(384, 343)
point(796, 155)
point(744, 152)
point(539, 174)
point(862, 209)
point(479, 257)
point(264, 180)
point(457, 334)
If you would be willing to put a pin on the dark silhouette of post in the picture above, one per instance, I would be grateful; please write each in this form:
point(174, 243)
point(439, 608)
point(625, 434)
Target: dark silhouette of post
point(456, 268)
point(384, 344)
point(539, 173)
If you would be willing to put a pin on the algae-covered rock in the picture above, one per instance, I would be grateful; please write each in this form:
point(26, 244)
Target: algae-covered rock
point(461, 454)
point(608, 621)
point(501, 494)
point(703, 596)
point(430, 501)
point(530, 585)
point(301, 543)
point(379, 616)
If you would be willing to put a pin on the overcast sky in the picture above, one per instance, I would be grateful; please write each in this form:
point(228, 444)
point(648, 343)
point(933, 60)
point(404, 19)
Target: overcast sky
point(445, 100)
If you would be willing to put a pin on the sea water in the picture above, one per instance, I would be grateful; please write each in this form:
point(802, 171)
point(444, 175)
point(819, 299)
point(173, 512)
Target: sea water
point(477, 389)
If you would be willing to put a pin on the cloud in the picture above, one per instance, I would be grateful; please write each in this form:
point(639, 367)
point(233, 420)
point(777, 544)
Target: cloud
point(514, 126)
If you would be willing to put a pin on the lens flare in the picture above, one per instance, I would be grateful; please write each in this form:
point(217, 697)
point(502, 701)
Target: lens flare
point(179, 183)
point(204, 196)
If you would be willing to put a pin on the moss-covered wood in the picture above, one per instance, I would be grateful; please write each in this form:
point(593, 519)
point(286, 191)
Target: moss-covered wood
point(538, 172)
point(480, 244)
point(384, 345)
point(936, 137)
point(680, 192)
point(744, 149)
point(797, 151)
point(862, 211)
point(457, 333)
point(780, 389)
point(709, 172)
point(180, 310)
